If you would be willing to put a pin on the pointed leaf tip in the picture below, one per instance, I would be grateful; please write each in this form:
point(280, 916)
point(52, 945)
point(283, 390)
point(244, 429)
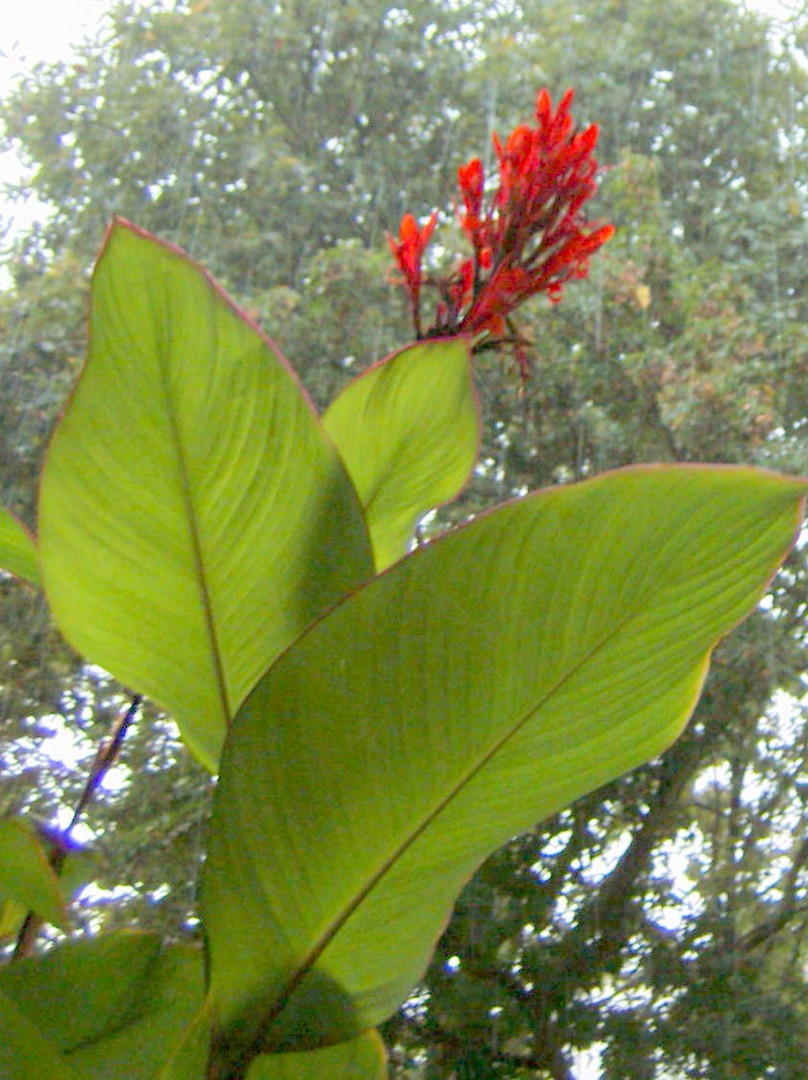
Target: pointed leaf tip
point(193, 518)
point(477, 686)
point(18, 553)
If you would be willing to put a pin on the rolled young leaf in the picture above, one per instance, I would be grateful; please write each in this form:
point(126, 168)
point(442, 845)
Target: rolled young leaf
point(193, 516)
point(408, 430)
point(477, 686)
point(18, 554)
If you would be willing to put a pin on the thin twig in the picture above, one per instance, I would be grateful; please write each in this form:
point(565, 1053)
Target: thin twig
point(105, 758)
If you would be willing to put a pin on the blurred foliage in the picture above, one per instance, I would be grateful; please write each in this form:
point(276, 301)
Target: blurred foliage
point(662, 919)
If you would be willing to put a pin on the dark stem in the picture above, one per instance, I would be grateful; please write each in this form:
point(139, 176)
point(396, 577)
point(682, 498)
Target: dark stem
point(105, 758)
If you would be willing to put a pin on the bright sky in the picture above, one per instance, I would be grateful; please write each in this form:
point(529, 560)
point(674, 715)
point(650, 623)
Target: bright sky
point(45, 29)
point(32, 31)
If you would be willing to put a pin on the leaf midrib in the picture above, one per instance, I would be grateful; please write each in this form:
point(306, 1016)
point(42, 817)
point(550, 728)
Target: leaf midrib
point(739, 607)
point(314, 954)
point(196, 545)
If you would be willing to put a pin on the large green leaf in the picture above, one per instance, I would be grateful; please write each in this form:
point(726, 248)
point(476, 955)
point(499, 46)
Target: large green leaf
point(363, 1058)
point(477, 686)
point(116, 1005)
point(18, 553)
point(194, 517)
point(156, 1032)
point(189, 1058)
point(26, 876)
point(25, 1052)
point(408, 432)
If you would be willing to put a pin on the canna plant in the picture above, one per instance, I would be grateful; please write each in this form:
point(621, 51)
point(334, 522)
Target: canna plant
point(381, 714)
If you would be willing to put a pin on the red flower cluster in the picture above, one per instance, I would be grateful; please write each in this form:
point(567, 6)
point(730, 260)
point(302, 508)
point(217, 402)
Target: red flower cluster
point(530, 237)
point(409, 254)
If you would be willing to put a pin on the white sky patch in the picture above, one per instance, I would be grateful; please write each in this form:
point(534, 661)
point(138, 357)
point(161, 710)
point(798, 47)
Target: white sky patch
point(36, 31)
point(46, 30)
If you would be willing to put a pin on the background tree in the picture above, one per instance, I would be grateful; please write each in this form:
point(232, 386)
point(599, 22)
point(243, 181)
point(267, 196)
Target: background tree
point(663, 917)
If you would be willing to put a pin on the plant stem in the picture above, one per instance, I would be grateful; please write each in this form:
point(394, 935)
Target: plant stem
point(105, 758)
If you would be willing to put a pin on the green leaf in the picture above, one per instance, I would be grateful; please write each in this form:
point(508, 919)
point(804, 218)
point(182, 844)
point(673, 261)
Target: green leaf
point(477, 686)
point(363, 1058)
point(82, 990)
point(18, 553)
point(25, 1053)
point(26, 876)
point(189, 1059)
point(77, 869)
point(162, 1028)
point(408, 432)
point(12, 917)
point(116, 1005)
point(194, 517)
